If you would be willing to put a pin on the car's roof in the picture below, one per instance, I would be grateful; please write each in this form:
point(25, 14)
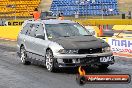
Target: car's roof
point(55, 21)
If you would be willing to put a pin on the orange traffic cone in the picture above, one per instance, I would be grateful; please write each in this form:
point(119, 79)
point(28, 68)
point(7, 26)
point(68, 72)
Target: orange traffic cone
point(100, 30)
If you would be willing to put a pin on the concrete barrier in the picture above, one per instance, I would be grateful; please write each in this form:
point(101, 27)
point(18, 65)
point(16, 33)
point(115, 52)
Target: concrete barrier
point(105, 22)
point(85, 22)
point(9, 32)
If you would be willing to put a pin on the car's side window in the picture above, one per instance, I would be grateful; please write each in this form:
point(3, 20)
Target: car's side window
point(25, 29)
point(39, 29)
point(32, 30)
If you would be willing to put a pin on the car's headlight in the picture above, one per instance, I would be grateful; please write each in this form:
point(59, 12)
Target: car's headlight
point(69, 51)
point(106, 49)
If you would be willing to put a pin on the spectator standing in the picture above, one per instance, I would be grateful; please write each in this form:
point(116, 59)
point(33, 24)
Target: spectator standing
point(36, 14)
point(61, 17)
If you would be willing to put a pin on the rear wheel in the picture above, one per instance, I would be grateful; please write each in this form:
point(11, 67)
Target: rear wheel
point(23, 56)
point(103, 66)
point(50, 61)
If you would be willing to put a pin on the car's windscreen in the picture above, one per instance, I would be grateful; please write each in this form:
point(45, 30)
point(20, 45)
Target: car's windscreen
point(65, 30)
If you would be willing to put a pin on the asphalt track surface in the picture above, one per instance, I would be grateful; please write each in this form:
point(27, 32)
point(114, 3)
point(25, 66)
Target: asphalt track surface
point(13, 74)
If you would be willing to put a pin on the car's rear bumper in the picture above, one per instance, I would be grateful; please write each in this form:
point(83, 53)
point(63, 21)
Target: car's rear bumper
point(18, 50)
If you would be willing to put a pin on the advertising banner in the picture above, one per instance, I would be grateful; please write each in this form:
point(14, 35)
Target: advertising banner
point(15, 22)
point(121, 47)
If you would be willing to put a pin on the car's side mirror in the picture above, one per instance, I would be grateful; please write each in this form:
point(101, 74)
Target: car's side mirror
point(40, 36)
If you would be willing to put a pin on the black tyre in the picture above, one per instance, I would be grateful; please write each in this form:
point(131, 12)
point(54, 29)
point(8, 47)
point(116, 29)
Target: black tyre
point(23, 56)
point(50, 61)
point(103, 66)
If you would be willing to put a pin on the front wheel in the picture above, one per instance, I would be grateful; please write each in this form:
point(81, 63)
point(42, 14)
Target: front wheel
point(23, 56)
point(50, 61)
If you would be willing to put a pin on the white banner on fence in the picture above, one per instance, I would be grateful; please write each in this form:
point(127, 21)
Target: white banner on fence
point(121, 46)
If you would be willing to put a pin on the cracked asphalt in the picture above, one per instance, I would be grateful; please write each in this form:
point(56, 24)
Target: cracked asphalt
point(13, 74)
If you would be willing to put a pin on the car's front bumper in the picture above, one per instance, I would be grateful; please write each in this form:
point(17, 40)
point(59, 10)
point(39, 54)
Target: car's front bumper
point(73, 60)
point(72, 56)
